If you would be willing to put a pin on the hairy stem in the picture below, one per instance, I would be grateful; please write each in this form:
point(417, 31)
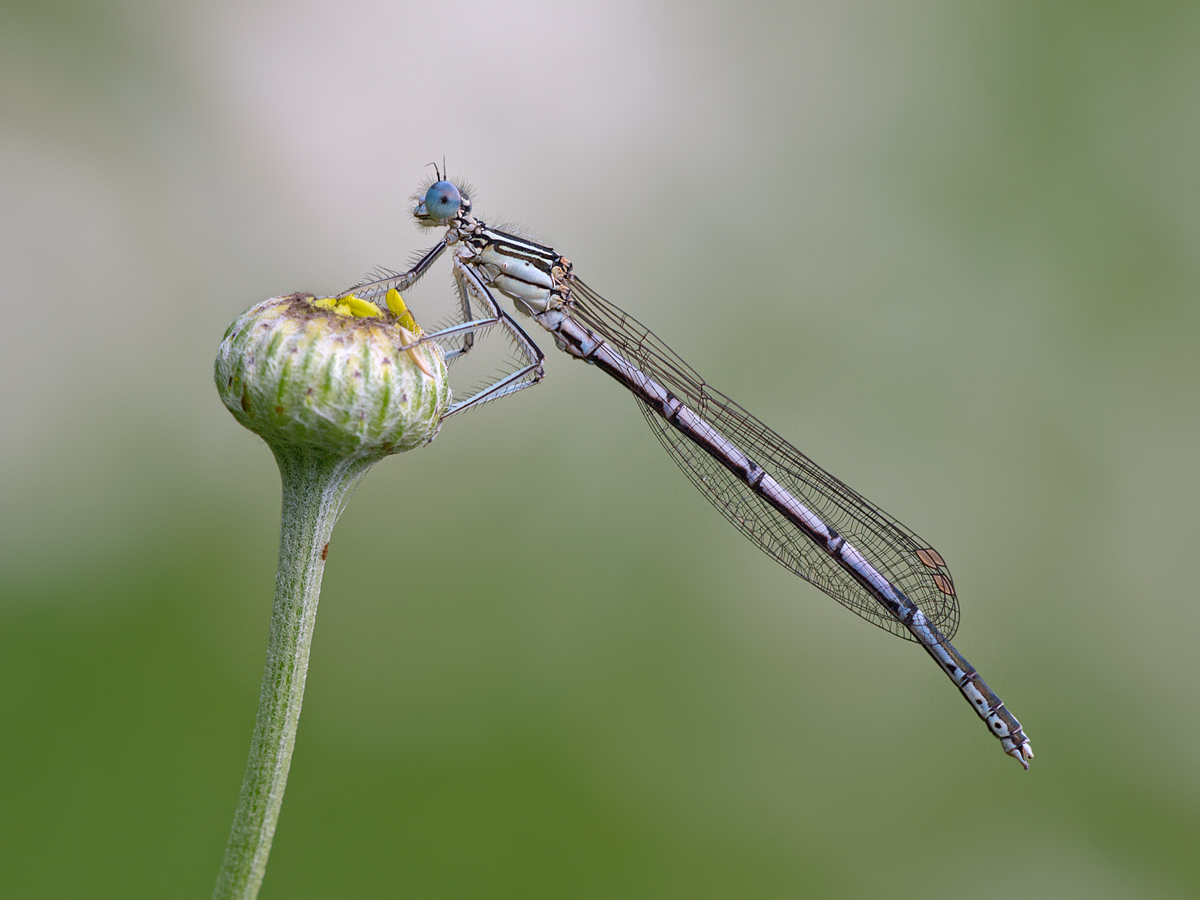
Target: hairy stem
point(316, 487)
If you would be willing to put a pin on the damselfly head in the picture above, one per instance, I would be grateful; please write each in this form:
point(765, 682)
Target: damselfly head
point(441, 203)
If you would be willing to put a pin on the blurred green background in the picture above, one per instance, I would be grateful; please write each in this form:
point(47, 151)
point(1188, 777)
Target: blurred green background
point(952, 251)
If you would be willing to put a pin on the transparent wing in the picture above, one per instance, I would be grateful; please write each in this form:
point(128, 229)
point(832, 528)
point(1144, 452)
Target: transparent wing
point(895, 551)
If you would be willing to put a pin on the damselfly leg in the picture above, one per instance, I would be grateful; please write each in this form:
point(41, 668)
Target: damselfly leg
point(526, 369)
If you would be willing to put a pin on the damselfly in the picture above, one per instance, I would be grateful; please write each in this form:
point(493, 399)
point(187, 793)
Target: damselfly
point(798, 513)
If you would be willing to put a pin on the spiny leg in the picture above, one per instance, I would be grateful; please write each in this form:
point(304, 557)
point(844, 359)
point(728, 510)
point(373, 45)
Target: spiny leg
point(530, 357)
point(374, 288)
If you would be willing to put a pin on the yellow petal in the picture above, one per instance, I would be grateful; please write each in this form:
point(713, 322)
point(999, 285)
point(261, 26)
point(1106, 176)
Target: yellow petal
point(395, 302)
point(362, 309)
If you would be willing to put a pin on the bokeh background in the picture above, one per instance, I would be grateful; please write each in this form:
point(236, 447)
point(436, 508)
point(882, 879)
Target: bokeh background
point(951, 250)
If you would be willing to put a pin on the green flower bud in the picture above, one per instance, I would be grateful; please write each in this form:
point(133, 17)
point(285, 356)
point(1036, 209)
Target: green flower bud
point(329, 375)
point(332, 386)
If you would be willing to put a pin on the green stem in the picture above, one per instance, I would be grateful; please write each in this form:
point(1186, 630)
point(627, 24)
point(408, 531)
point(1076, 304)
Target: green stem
point(316, 487)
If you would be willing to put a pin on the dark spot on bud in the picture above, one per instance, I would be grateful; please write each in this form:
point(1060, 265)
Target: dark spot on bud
point(245, 403)
point(279, 410)
point(325, 552)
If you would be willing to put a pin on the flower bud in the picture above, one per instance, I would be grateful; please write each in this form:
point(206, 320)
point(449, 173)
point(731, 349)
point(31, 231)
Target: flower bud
point(329, 375)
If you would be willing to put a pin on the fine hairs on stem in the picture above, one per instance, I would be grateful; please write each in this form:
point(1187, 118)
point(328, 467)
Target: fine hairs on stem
point(326, 385)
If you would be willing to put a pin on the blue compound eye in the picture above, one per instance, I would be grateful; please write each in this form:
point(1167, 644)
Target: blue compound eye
point(442, 201)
